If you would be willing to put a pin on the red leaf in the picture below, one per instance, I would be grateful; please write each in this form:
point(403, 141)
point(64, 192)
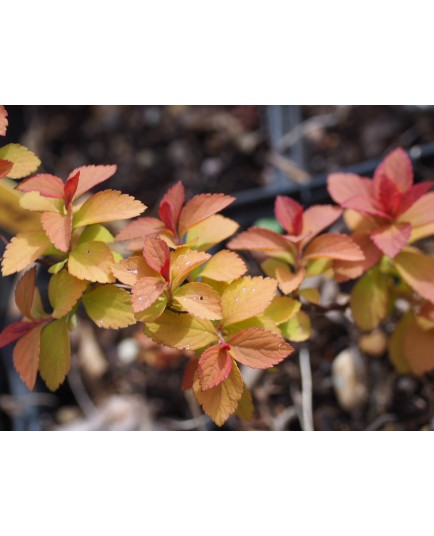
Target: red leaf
point(171, 205)
point(334, 246)
point(289, 214)
point(90, 176)
point(26, 356)
point(215, 366)
point(318, 218)
point(157, 254)
point(201, 207)
point(15, 331)
point(398, 168)
point(392, 238)
point(58, 228)
point(389, 195)
point(189, 373)
point(259, 348)
point(3, 120)
point(140, 228)
point(47, 185)
point(367, 205)
point(25, 292)
point(71, 188)
point(5, 167)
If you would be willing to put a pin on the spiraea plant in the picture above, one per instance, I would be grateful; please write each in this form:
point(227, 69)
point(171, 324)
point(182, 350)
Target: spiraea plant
point(163, 273)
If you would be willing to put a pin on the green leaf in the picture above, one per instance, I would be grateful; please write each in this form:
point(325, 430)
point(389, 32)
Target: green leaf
point(96, 233)
point(109, 307)
point(298, 328)
point(64, 291)
point(55, 354)
point(370, 299)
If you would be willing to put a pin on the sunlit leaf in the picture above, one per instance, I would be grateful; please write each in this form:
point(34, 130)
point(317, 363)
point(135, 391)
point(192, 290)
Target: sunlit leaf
point(215, 365)
point(282, 309)
point(55, 354)
point(157, 254)
point(3, 120)
point(35, 202)
point(391, 238)
point(96, 233)
point(183, 262)
point(5, 168)
point(44, 183)
point(261, 321)
point(247, 297)
point(257, 239)
point(146, 291)
point(417, 270)
point(289, 214)
point(210, 232)
point(109, 205)
point(109, 307)
point(26, 356)
point(64, 291)
point(23, 250)
point(289, 281)
point(258, 348)
point(370, 299)
point(334, 246)
point(342, 186)
point(70, 188)
point(396, 166)
point(221, 401)
point(58, 228)
point(92, 261)
point(154, 311)
point(90, 176)
point(170, 206)
point(200, 300)
point(298, 328)
point(24, 161)
point(345, 270)
point(182, 331)
point(360, 223)
point(25, 291)
point(224, 266)
point(317, 218)
point(140, 228)
point(200, 207)
point(129, 271)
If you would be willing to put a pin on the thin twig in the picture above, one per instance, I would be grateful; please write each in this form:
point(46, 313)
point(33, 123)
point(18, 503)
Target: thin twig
point(306, 389)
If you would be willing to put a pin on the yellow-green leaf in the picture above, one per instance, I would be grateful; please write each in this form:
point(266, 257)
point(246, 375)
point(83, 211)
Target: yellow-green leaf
point(245, 407)
point(210, 232)
point(282, 309)
point(298, 328)
point(200, 300)
point(92, 261)
point(64, 291)
point(224, 266)
point(108, 205)
point(55, 355)
point(25, 162)
point(23, 250)
point(182, 331)
point(312, 295)
point(35, 202)
point(109, 307)
point(370, 299)
point(247, 297)
point(396, 344)
point(96, 233)
point(154, 311)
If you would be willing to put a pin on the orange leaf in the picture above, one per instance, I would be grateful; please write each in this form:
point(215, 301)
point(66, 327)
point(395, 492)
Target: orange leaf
point(210, 232)
point(58, 228)
point(247, 297)
point(55, 353)
point(343, 186)
point(182, 331)
point(183, 262)
point(289, 281)
point(214, 367)
point(345, 270)
point(391, 238)
point(157, 254)
point(258, 348)
point(417, 270)
point(26, 356)
point(421, 212)
point(92, 261)
point(24, 293)
point(109, 307)
point(224, 266)
point(221, 401)
point(23, 250)
point(258, 239)
point(3, 120)
point(140, 228)
point(129, 271)
point(360, 223)
point(90, 176)
point(146, 291)
point(5, 167)
point(370, 299)
point(109, 205)
point(47, 185)
point(201, 207)
point(200, 300)
point(318, 218)
point(334, 246)
point(64, 291)
point(170, 206)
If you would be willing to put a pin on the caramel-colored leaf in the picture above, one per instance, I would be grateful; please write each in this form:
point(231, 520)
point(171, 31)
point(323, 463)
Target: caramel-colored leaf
point(23, 250)
point(182, 331)
point(282, 309)
point(417, 270)
point(370, 299)
point(55, 354)
point(129, 271)
point(58, 228)
point(44, 183)
point(90, 176)
point(157, 254)
point(247, 297)
point(146, 291)
point(26, 356)
point(224, 266)
point(210, 232)
point(109, 307)
point(109, 205)
point(221, 401)
point(334, 246)
point(289, 281)
point(419, 348)
point(214, 367)
point(24, 161)
point(92, 261)
point(3, 120)
point(298, 328)
point(258, 348)
point(183, 262)
point(5, 168)
point(24, 293)
point(64, 291)
point(200, 300)
point(201, 207)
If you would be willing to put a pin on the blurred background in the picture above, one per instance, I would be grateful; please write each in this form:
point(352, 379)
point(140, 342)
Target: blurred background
point(121, 380)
